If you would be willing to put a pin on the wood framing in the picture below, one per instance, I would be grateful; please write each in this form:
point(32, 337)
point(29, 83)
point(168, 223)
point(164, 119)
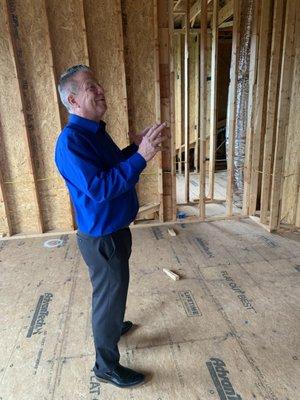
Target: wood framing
point(158, 108)
point(276, 50)
point(260, 99)
point(166, 80)
point(196, 8)
point(251, 105)
point(129, 44)
point(231, 114)
point(203, 109)
point(290, 207)
point(213, 100)
point(172, 211)
point(178, 98)
point(283, 114)
point(186, 107)
point(196, 104)
point(225, 12)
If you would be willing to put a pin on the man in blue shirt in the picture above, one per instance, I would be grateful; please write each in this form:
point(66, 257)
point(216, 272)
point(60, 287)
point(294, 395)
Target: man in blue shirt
point(101, 181)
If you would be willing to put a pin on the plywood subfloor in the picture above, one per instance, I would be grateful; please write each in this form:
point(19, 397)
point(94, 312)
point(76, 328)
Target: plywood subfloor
point(230, 325)
point(211, 209)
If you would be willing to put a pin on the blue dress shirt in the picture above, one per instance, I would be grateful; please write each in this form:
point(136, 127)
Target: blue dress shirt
point(100, 177)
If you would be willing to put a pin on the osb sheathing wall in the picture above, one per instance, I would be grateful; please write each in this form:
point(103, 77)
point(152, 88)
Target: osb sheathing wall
point(139, 30)
point(291, 185)
point(38, 40)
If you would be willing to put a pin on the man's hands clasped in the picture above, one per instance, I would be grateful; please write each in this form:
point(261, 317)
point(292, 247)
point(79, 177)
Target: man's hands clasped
point(151, 142)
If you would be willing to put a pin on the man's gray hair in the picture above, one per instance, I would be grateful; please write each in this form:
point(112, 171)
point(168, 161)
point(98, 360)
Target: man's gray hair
point(67, 84)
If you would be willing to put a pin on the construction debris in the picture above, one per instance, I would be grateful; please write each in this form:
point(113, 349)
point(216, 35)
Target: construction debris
point(171, 274)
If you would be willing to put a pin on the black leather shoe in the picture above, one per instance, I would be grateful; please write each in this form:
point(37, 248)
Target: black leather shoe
point(127, 325)
point(122, 377)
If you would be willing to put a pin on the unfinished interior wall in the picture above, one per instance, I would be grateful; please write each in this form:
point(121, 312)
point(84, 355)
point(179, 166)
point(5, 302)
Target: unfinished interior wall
point(272, 168)
point(290, 213)
point(129, 44)
point(41, 39)
point(33, 58)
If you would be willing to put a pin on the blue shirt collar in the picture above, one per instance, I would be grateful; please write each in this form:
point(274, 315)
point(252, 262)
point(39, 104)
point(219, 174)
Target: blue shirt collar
point(87, 124)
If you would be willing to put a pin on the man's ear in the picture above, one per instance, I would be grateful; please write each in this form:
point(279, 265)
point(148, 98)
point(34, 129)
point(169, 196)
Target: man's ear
point(72, 101)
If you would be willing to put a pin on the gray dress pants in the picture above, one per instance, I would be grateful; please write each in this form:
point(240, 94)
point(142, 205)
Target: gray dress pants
point(107, 258)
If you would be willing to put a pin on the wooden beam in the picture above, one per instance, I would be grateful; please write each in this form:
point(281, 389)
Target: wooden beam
point(276, 53)
point(148, 209)
point(166, 81)
point(231, 109)
point(251, 105)
point(197, 120)
point(213, 100)
point(182, 31)
point(224, 25)
point(158, 109)
point(283, 114)
point(178, 4)
point(178, 96)
point(260, 99)
point(203, 108)
point(172, 215)
point(196, 8)
point(225, 12)
point(186, 108)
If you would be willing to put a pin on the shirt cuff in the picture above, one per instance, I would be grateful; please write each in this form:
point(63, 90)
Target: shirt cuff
point(134, 147)
point(138, 162)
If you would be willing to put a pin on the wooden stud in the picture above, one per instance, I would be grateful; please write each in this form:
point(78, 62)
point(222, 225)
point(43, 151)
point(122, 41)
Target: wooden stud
point(166, 82)
point(251, 104)
point(172, 177)
point(213, 100)
point(186, 107)
point(178, 98)
point(260, 100)
point(283, 114)
point(276, 52)
point(203, 108)
point(231, 109)
point(157, 109)
point(196, 102)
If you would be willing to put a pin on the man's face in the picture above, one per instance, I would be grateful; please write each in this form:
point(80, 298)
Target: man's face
point(88, 100)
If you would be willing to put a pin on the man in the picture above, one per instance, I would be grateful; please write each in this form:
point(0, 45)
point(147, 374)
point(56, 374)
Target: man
point(101, 180)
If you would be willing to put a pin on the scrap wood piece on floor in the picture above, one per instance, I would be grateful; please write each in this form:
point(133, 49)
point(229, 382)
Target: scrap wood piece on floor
point(171, 274)
point(172, 232)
